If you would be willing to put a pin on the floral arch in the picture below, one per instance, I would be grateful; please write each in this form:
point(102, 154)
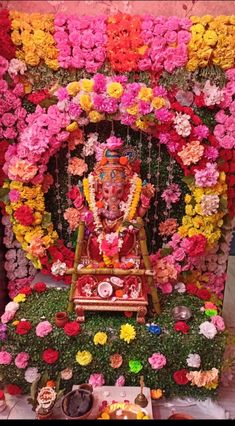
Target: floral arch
point(164, 115)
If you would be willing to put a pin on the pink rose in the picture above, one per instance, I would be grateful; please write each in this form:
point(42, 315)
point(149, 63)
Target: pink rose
point(8, 119)
point(7, 316)
point(120, 381)
point(96, 380)
point(43, 329)
point(157, 361)
point(179, 254)
point(218, 321)
point(21, 360)
point(5, 358)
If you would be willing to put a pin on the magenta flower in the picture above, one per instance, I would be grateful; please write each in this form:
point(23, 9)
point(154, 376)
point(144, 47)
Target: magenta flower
point(5, 358)
point(21, 360)
point(157, 361)
point(96, 380)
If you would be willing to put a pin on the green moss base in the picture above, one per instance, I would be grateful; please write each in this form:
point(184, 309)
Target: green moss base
point(175, 346)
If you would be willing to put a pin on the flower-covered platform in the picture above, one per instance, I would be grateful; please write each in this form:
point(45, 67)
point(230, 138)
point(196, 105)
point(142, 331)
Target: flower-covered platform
point(176, 358)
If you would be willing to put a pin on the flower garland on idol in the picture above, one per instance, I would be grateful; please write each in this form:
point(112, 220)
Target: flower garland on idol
point(113, 239)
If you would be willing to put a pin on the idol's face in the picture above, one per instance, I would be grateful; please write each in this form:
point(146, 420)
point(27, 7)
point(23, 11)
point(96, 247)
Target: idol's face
point(113, 192)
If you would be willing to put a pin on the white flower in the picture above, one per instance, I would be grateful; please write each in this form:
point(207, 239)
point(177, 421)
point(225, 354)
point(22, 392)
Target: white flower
point(194, 360)
point(180, 287)
point(12, 306)
point(209, 204)
point(182, 124)
point(208, 330)
point(31, 374)
point(58, 268)
point(16, 66)
point(212, 94)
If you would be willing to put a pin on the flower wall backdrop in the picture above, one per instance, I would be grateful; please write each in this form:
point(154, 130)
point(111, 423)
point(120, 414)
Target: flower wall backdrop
point(167, 86)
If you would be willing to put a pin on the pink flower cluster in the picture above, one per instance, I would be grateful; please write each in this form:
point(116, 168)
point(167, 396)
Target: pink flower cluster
point(225, 129)
point(207, 176)
point(20, 270)
point(41, 138)
point(171, 194)
point(12, 114)
point(81, 41)
point(167, 39)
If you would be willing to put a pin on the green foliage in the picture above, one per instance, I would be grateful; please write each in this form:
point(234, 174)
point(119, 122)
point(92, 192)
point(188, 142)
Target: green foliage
point(175, 346)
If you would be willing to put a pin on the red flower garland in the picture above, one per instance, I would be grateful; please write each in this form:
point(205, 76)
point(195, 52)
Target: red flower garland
point(124, 46)
point(7, 48)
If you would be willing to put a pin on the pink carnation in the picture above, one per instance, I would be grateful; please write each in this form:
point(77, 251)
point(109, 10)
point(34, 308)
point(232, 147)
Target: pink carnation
point(5, 358)
point(157, 361)
point(120, 381)
point(43, 329)
point(218, 321)
point(208, 176)
point(21, 360)
point(7, 316)
point(96, 380)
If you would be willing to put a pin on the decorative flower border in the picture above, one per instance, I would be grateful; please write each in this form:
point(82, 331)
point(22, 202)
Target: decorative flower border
point(152, 110)
point(124, 42)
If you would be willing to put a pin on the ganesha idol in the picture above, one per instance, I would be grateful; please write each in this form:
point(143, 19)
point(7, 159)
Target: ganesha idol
point(113, 268)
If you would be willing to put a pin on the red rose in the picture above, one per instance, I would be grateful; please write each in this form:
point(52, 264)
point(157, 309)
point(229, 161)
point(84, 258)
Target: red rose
point(180, 377)
point(23, 327)
point(72, 328)
point(24, 215)
point(203, 294)
point(14, 390)
point(191, 288)
point(25, 290)
point(40, 287)
point(50, 356)
point(182, 326)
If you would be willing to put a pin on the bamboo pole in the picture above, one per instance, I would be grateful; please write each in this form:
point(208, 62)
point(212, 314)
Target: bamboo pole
point(78, 252)
point(148, 266)
point(109, 271)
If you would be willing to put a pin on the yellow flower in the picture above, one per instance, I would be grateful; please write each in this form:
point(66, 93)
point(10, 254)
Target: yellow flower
point(83, 357)
point(222, 177)
point(115, 90)
point(141, 124)
point(133, 110)
point(87, 85)
point(145, 94)
point(19, 298)
point(85, 102)
point(52, 63)
point(197, 29)
point(158, 102)
point(210, 37)
point(72, 126)
point(142, 49)
point(189, 210)
point(100, 338)
point(73, 88)
point(15, 322)
point(187, 198)
point(193, 231)
point(95, 116)
point(127, 333)
point(192, 64)
point(204, 20)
